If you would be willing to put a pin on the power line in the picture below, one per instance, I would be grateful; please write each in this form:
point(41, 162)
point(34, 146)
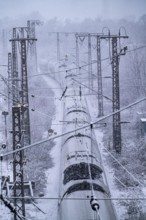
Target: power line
point(80, 67)
point(137, 48)
point(123, 167)
point(4, 65)
point(91, 89)
point(34, 110)
point(42, 88)
point(144, 46)
point(32, 97)
point(78, 129)
point(46, 97)
point(29, 93)
point(76, 199)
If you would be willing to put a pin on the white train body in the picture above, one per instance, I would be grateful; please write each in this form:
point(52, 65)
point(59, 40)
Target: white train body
point(83, 189)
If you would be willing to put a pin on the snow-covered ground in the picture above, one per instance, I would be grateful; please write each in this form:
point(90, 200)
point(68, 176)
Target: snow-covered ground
point(53, 176)
point(120, 210)
point(48, 207)
point(92, 107)
point(48, 204)
point(115, 192)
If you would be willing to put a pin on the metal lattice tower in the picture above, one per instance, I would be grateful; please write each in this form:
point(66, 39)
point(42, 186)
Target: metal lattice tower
point(24, 89)
point(99, 73)
point(18, 188)
point(116, 97)
point(9, 79)
point(90, 64)
point(15, 93)
point(24, 40)
point(20, 117)
point(99, 78)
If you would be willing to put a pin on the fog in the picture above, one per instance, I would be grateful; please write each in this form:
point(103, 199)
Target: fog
point(76, 10)
point(46, 97)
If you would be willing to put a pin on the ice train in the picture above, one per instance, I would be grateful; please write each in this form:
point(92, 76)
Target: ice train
point(83, 189)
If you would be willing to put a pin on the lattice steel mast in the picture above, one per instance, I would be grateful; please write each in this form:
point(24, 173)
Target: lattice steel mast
point(115, 82)
point(24, 88)
point(24, 40)
point(90, 64)
point(99, 73)
point(117, 145)
point(18, 181)
point(99, 79)
point(116, 97)
point(15, 80)
point(20, 117)
point(9, 79)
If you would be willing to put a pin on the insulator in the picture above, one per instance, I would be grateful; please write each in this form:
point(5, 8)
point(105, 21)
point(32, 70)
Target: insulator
point(18, 146)
point(91, 125)
point(94, 204)
point(80, 92)
point(19, 173)
point(1, 157)
point(4, 145)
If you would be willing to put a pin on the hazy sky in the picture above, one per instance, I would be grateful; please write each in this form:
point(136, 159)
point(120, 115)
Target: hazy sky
point(74, 9)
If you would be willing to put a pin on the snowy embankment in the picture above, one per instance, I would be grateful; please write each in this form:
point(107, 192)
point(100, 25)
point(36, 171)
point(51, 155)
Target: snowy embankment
point(92, 107)
point(48, 207)
point(53, 174)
